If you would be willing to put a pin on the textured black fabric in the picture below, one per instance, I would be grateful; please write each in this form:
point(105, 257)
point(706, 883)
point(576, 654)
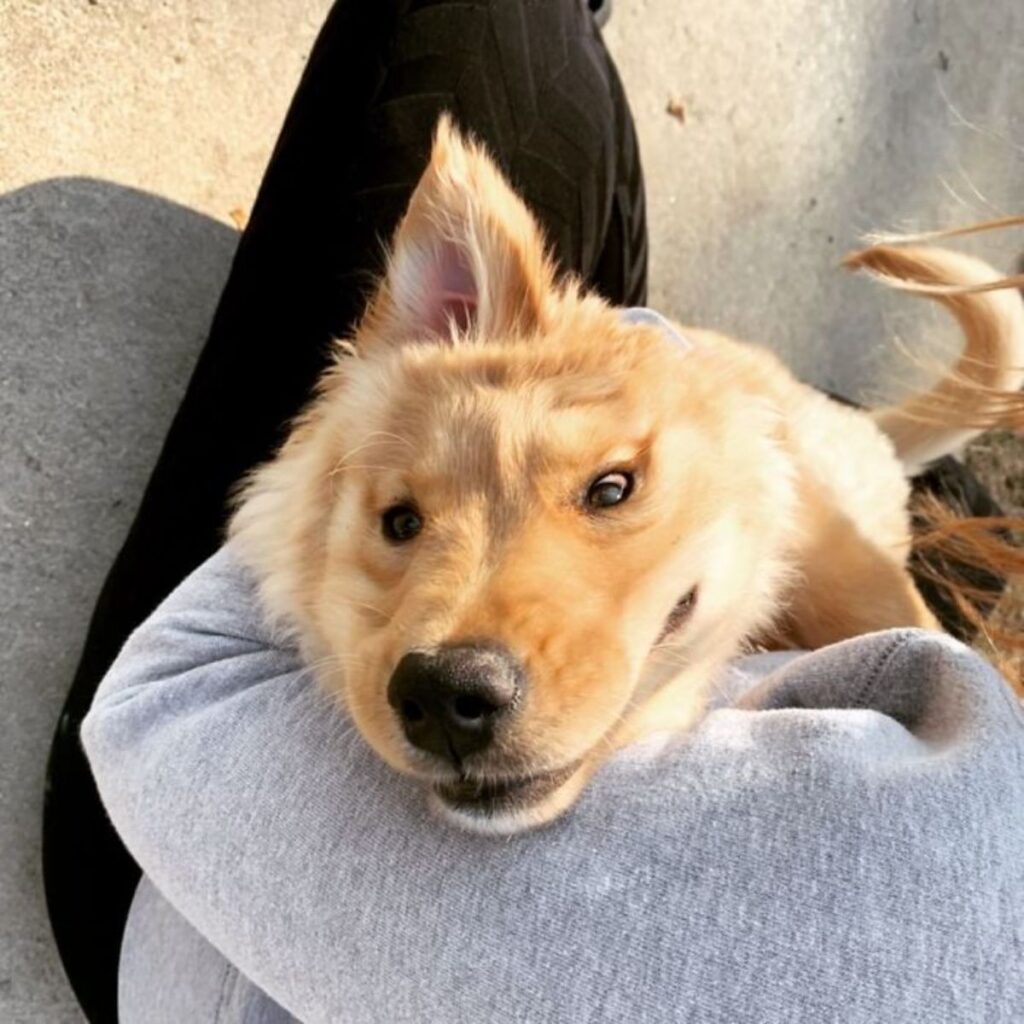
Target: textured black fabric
point(533, 80)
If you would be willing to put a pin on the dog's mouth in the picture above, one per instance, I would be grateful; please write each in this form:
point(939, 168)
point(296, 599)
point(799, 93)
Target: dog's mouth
point(681, 611)
point(487, 798)
point(487, 801)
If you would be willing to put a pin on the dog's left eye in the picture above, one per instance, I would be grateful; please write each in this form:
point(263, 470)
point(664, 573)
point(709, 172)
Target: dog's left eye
point(401, 523)
point(610, 489)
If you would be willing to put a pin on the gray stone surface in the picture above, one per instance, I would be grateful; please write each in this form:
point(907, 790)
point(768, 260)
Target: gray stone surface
point(130, 130)
point(807, 124)
point(105, 294)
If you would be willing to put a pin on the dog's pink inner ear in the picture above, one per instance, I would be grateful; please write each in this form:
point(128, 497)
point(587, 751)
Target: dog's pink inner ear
point(449, 293)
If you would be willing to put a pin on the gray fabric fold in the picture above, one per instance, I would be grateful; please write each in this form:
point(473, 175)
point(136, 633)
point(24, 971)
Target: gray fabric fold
point(839, 840)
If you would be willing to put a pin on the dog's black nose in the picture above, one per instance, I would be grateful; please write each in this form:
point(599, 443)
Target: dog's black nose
point(450, 701)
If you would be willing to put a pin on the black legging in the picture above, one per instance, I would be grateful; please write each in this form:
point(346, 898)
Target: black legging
point(534, 81)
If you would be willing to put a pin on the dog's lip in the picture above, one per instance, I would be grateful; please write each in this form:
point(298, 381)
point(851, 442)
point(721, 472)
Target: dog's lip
point(492, 796)
point(681, 611)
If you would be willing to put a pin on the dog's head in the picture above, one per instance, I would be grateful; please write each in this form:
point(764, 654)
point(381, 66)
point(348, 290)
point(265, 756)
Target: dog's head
point(510, 514)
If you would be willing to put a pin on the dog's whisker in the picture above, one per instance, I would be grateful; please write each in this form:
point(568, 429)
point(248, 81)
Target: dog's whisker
point(401, 628)
point(396, 437)
point(386, 440)
point(361, 465)
point(318, 667)
point(308, 672)
point(365, 604)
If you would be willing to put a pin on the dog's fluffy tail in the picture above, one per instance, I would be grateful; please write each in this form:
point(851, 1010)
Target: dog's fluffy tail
point(962, 555)
point(982, 389)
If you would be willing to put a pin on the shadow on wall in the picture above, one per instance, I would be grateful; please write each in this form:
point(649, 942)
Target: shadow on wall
point(106, 294)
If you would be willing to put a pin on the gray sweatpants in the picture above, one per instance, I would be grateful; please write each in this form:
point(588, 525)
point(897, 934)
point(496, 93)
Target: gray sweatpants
point(839, 840)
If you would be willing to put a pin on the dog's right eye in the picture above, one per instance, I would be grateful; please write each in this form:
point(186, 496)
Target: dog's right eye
point(609, 489)
point(401, 523)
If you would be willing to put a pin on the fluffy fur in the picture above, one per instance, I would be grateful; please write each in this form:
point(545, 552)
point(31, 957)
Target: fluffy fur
point(489, 394)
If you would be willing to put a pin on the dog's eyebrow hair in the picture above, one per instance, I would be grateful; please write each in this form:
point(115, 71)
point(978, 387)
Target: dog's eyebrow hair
point(586, 395)
point(583, 399)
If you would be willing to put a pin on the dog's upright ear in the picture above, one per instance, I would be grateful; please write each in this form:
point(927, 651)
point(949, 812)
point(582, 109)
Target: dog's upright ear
point(467, 256)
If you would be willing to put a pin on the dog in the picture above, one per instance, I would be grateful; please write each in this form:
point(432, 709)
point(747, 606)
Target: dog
point(517, 528)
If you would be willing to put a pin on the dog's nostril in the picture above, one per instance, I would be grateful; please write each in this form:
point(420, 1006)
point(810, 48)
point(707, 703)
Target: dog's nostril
point(450, 701)
point(472, 708)
point(411, 711)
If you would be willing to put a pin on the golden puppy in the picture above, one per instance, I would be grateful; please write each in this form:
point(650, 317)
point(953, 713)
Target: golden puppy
point(516, 529)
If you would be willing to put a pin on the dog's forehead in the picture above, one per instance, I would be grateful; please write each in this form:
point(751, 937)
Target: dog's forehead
point(460, 428)
point(592, 386)
point(521, 409)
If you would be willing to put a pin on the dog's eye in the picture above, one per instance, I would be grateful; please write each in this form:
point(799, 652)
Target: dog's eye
point(401, 523)
point(610, 489)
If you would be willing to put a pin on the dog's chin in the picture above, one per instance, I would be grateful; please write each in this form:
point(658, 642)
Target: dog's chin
point(510, 805)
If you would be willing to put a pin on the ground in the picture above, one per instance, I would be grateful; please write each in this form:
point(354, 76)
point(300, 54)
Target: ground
point(132, 133)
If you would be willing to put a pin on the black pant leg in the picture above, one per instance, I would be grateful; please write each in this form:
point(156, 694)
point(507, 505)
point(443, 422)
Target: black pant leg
point(533, 80)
